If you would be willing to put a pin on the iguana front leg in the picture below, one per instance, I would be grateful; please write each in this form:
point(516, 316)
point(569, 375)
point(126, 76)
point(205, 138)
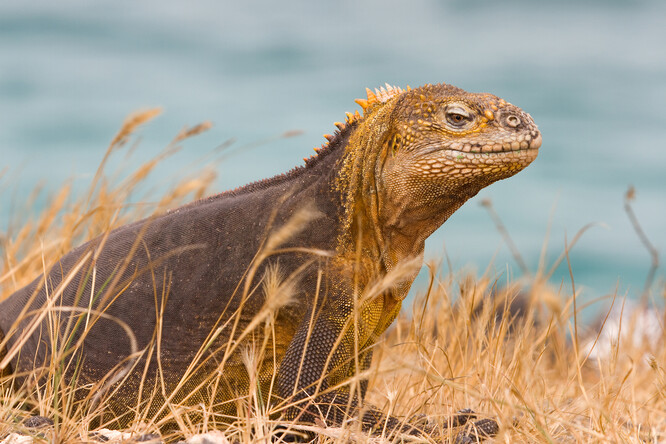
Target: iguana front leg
point(321, 356)
point(328, 349)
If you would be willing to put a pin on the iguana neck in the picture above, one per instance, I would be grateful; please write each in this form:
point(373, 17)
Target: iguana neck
point(376, 232)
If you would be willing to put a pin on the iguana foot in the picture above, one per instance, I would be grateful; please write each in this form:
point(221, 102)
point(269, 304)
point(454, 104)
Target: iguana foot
point(428, 425)
point(478, 431)
point(473, 432)
point(460, 418)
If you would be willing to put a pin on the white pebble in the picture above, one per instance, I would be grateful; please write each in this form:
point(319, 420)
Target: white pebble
point(15, 438)
point(214, 437)
point(113, 436)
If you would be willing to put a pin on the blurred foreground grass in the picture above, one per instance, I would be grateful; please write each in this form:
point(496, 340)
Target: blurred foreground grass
point(516, 354)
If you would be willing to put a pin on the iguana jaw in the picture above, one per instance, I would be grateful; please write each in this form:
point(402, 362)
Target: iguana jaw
point(494, 153)
point(457, 165)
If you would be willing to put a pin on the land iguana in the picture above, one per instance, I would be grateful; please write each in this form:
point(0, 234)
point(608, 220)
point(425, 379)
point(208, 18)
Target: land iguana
point(176, 305)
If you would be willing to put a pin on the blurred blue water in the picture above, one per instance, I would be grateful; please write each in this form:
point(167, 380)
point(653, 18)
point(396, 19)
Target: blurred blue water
point(592, 74)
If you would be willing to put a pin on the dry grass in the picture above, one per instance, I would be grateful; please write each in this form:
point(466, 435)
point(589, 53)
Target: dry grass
point(450, 351)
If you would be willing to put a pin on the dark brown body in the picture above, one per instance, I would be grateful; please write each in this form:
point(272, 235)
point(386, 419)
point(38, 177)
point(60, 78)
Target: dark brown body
point(188, 269)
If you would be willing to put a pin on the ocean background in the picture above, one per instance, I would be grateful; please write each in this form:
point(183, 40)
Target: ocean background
point(592, 74)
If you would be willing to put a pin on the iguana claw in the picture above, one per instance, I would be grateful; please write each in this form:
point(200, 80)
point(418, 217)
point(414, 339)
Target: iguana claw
point(478, 431)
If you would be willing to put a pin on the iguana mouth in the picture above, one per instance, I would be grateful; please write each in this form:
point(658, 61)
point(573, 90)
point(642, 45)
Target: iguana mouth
point(519, 143)
point(507, 150)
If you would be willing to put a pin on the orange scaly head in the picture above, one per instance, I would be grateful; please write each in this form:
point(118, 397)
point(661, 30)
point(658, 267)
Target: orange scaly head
point(417, 155)
point(459, 139)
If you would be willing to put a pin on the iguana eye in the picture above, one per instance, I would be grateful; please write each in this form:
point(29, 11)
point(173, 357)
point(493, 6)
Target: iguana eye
point(458, 117)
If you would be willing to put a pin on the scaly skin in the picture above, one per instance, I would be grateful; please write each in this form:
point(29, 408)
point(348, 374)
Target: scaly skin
point(366, 203)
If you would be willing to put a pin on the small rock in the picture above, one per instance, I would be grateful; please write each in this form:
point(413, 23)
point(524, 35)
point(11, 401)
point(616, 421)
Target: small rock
point(37, 422)
point(15, 438)
point(148, 437)
point(111, 436)
point(638, 327)
point(214, 437)
point(98, 437)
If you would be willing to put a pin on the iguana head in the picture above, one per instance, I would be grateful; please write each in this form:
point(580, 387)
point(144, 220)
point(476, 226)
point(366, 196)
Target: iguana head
point(444, 143)
point(417, 155)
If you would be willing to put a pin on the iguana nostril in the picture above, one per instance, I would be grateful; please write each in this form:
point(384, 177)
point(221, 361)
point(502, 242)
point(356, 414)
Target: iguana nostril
point(536, 142)
point(512, 120)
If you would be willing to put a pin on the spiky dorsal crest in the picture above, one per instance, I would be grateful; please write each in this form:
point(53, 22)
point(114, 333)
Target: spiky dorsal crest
point(379, 95)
